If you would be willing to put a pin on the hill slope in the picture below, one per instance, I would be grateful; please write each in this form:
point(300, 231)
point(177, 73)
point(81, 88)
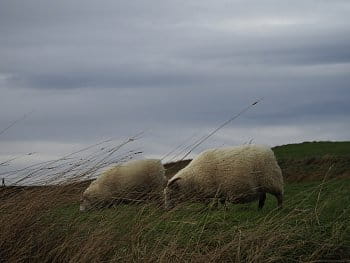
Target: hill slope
point(312, 149)
point(314, 160)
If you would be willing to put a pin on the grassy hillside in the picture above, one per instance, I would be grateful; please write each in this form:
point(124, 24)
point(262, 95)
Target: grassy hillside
point(312, 149)
point(312, 160)
point(46, 226)
point(43, 224)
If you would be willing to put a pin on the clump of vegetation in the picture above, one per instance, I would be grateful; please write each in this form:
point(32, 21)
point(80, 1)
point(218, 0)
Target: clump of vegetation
point(43, 224)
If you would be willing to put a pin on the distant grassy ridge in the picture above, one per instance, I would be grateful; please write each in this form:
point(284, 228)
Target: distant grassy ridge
point(313, 160)
point(312, 149)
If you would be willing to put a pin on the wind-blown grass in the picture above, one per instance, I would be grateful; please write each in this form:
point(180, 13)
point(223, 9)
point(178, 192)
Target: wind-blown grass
point(77, 166)
point(43, 224)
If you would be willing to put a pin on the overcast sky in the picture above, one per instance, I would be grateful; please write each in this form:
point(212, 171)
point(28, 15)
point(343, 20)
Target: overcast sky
point(84, 71)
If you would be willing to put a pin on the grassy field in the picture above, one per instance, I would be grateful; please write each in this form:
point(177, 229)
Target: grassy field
point(44, 225)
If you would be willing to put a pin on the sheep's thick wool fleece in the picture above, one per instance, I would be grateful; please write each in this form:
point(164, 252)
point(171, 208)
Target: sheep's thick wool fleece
point(233, 171)
point(124, 179)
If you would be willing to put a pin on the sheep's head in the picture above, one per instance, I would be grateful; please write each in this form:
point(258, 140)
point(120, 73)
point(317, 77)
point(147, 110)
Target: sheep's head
point(171, 193)
point(85, 203)
point(89, 199)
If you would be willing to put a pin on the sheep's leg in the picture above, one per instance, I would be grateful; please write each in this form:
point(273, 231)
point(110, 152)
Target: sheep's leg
point(279, 198)
point(262, 198)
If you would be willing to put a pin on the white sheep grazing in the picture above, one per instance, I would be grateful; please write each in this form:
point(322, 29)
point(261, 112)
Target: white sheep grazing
point(235, 174)
point(133, 180)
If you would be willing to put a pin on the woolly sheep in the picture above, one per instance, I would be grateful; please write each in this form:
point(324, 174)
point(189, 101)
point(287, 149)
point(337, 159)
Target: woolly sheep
point(236, 174)
point(133, 180)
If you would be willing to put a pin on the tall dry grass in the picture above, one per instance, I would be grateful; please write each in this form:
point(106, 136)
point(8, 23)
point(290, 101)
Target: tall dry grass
point(43, 223)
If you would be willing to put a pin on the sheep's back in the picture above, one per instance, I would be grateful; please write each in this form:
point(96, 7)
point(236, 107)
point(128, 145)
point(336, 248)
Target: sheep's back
point(235, 170)
point(252, 166)
point(133, 176)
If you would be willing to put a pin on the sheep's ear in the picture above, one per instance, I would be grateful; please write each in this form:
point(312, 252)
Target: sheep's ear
point(172, 182)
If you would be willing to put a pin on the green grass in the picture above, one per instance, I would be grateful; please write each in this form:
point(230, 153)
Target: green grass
point(316, 217)
point(312, 160)
point(45, 225)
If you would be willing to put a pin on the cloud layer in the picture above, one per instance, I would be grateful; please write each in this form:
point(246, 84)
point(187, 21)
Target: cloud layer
point(175, 69)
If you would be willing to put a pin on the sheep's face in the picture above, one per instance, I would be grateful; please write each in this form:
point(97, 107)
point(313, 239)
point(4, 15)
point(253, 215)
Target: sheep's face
point(86, 203)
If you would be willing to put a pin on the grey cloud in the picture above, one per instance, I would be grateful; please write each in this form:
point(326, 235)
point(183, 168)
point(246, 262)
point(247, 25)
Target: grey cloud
point(285, 48)
point(65, 45)
point(93, 70)
point(83, 116)
point(120, 78)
